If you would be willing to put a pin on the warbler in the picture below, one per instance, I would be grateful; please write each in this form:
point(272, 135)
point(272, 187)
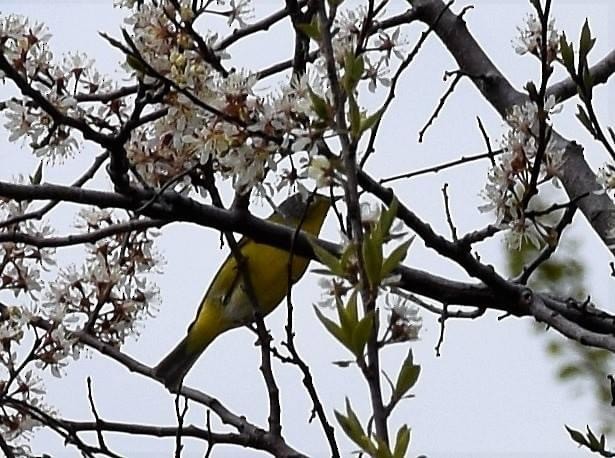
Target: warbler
point(228, 303)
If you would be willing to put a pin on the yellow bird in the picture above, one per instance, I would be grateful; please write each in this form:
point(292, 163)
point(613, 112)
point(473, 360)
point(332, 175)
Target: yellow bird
point(227, 305)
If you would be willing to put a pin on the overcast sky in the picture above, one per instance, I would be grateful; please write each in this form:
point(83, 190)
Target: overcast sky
point(492, 392)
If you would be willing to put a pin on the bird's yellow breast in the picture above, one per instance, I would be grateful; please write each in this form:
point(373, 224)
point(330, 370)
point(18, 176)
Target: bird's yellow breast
point(227, 304)
point(267, 270)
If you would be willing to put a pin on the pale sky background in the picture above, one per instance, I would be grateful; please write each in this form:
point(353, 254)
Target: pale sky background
point(492, 392)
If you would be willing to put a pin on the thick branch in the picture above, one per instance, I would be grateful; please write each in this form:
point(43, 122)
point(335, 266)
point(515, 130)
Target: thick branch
point(178, 208)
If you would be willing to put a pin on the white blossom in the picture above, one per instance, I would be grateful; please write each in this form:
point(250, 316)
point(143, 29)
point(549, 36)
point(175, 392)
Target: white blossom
point(405, 322)
point(240, 11)
point(606, 177)
point(321, 170)
point(390, 44)
point(530, 38)
point(370, 213)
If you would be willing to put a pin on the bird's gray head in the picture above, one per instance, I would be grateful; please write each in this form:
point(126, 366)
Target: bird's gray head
point(294, 206)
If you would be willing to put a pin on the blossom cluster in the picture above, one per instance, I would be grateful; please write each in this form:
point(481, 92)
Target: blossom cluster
point(23, 395)
point(111, 292)
point(508, 189)
point(107, 296)
point(213, 116)
point(508, 182)
point(222, 118)
point(379, 49)
point(67, 86)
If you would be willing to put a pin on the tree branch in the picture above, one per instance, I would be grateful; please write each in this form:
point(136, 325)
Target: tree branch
point(505, 296)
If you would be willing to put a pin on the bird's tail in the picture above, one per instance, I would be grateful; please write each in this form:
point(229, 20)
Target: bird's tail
point(173, 368)
point(208, 325)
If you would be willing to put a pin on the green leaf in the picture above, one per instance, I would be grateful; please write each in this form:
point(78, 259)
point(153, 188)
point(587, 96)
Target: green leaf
point(347, 325)
point(594, 443)
point(343, 363)
point(554, 348)
point(328, 259)
point(311, 29)
point(584, 118)
point(372, 259)
point(321, 106)
point(355, 117)
point(567, 51)
point(408, 375)
point(383, 450)
point(333, 328)
point(115, 43)
point(128, 39)
point(577, 436)
point(361, 334)
point(402, 442)
point(322, 272)
point(38, 174)
point(370, 121)
point(395, 258)
point(353, 429)
point(569, 371)
point(602, 442)
point(586, 43)
point(387, 217)
point(136, 64)
point(353, 71)
point(351, 308)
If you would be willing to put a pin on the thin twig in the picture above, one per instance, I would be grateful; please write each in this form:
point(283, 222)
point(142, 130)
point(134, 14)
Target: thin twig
point(483, 131)
point(442, 321)
point(449, 218)
point(38, 214)
point(77, 239)
point(410, 16)
point(441, 102)
point(211, 441)
point(440, 167)
point(258, 26)
point(99, 433)
point(180, 414)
